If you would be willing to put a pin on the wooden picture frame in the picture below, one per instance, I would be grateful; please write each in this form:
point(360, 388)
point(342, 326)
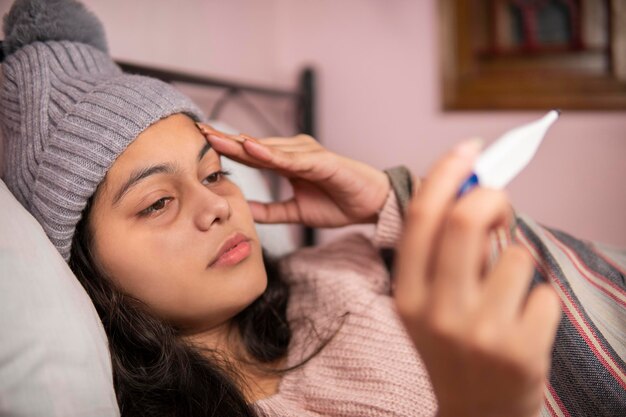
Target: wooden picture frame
point(481, 71)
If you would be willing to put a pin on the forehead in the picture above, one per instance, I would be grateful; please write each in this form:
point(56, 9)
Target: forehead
point(173, 139)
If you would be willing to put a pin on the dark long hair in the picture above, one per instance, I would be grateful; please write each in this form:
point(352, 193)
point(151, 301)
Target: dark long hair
point(156, 372)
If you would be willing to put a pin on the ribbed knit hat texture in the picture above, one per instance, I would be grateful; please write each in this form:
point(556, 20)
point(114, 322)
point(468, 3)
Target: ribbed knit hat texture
point(67, 111)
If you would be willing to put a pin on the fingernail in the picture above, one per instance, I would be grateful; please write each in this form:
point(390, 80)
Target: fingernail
point(469, 148)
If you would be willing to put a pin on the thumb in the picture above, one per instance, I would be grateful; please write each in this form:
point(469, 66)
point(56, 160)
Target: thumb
point(279, 212)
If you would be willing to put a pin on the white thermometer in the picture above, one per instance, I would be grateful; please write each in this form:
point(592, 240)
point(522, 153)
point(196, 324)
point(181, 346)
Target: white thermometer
point(507, 156)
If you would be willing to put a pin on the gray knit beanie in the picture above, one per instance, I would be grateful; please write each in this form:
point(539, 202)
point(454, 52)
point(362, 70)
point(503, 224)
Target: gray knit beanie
point(67, 111)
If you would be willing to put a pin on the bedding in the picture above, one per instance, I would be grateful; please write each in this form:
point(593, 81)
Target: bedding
point(54, 359)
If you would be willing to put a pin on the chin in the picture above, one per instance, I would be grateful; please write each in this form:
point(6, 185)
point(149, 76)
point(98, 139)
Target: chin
point(251, 279)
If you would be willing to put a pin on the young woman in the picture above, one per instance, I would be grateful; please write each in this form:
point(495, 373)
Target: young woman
point(129, 187)
point(168, 244)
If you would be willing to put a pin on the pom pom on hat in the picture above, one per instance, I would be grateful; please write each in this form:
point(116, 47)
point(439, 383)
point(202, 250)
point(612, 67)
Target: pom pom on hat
point(30, 21)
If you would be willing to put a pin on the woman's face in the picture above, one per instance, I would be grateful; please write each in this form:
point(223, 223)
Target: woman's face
point(173, 232)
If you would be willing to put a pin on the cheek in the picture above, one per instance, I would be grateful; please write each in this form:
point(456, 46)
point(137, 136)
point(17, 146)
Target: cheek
point(163, 271)
point(142, 263)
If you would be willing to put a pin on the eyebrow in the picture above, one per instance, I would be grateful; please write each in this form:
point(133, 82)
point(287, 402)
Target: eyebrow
point(140, 174)
point(204, 150)
point(143, 173)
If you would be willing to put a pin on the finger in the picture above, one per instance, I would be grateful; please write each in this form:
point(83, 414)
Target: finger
point(423, 221)
point(207, 129)
point(299, 143)
point(287, 155)
point(300, 164)
point(299, 139)
point(251, 152)
point(293, 147)
point(541, 317)
point(257, 155)
point(235, 151)
point(461, 255)
point(278, 141)
point(507, 286)
point(281, 212)
point(260, 152)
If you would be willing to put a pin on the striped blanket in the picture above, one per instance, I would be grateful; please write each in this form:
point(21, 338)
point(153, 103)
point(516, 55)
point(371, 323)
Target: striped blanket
point(588, 375)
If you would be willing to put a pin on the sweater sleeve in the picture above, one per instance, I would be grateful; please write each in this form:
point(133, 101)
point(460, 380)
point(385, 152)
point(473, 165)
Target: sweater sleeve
point(390, 218)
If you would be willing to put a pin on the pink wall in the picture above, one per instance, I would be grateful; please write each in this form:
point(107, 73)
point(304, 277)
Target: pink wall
point(379, 95)
point(230, 38)
point(380, 103)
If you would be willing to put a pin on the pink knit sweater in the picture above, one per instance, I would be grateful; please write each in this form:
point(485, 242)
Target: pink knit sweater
point(369, 367)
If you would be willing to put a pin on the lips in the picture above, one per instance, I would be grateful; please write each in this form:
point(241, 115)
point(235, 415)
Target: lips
point(234, 250)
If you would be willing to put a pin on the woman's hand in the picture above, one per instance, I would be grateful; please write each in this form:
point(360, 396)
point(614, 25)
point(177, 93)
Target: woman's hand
point(485, 341)
point(328, 190)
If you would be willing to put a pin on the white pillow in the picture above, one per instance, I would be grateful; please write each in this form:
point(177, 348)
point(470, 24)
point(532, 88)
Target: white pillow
point(54, 358)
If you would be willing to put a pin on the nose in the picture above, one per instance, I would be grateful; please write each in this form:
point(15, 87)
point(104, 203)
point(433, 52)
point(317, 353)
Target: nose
point(210, 208)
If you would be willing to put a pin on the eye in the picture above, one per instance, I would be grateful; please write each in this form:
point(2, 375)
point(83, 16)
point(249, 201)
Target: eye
point(156, 207)
point(215, 177)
